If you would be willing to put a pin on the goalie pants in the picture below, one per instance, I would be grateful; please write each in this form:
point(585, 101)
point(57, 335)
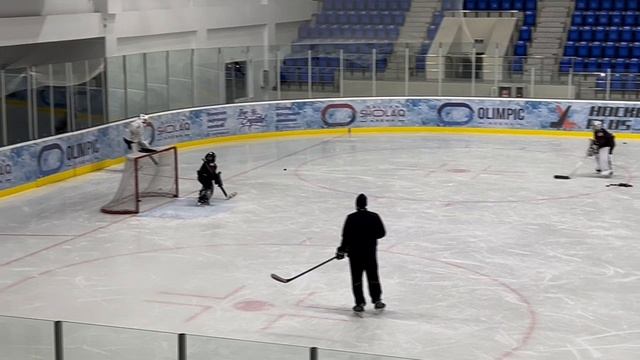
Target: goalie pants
point(603, 159)
point(359, 265)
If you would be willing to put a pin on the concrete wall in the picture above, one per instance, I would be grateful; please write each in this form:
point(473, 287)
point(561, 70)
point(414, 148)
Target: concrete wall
point(463, 36)
point(137, 26)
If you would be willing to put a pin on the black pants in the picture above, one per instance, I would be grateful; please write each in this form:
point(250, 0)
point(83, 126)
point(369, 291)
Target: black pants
point(359, 265)
point(206, 181)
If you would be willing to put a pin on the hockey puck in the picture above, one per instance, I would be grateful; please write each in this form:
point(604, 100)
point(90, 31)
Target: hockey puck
point(284, 169)
point(563, 177)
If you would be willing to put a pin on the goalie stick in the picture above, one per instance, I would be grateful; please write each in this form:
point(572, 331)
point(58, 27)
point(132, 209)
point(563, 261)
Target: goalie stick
point(567, 177)
point(283, 280)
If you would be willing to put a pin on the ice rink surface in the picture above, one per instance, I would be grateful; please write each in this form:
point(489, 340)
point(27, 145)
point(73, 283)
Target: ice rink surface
point(487, 256)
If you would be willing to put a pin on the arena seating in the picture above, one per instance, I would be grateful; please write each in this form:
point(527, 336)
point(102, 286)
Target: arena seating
point(356, 27)
point(605, 36)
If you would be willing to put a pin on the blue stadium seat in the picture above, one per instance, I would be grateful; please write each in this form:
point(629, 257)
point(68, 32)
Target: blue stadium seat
point(636, 33)
point(470, 4)
point(601, 82)
point(578, 65)
point(518, 5)
point(591, 65)
point(629, 18)
point(354, 18)
point(632, 5)
point(517, 65)
point(616, 18)
point(431, 32)
point(482, 5)
point(594, 5)
point(495, 5)
point(530, 18)
point(595, 49)
point(327, 76)
point(335, 31)
point(606, 5)
point(626, 34)
point(589, 18)
point(574, 34)
point(577, 19)
point(342, 17)
point(421, 63)
point(521, 48)
point(507, 5)
point(525, 33)
point(360, 5)
point(635, 50)
point(348, 4)
point(586, 33)
point(569, 49)
point(328, 5)
point(605, 64)
point(623, 50)
point(633, 66)
point(437, 17)
point(619, 66)
point(632, 83)
point(288, 61)
point(582, 49)
point(599, 33)
point(581, 5)
point(565, 65)
point(603, 18)
point(613, 34)
point(530, 4)
point(617, 82)
point(610, 50)
point(619, 5)
point(315, 76)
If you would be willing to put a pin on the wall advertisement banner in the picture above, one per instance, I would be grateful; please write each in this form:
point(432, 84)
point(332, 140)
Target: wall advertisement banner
point(27, 163)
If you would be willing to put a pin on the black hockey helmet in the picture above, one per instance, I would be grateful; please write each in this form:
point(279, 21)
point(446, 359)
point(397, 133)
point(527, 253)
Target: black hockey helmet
point(210, 157)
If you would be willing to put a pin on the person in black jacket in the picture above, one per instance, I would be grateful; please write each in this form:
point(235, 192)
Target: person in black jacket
point(602, 146)
point(360, 235)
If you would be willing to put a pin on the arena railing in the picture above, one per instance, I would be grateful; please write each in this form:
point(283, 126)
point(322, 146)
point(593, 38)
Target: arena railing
point(46, 100)
point(25, 338)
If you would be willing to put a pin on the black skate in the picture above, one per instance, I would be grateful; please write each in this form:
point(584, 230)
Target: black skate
point(358, 308)
point(380, 305)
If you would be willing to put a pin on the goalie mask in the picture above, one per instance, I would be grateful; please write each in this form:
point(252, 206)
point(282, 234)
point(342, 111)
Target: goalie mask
point(210, 157)
point(596, 125)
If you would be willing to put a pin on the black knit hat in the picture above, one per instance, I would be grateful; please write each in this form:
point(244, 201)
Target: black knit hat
point(361, 201)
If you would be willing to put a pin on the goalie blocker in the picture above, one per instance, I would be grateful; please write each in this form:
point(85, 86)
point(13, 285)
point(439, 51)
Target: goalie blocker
point(145, 175)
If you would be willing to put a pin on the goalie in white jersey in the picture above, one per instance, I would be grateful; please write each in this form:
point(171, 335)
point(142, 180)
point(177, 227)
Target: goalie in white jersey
point(136, 141)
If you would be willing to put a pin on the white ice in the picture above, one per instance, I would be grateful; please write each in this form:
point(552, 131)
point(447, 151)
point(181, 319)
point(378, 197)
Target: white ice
point(487, 255)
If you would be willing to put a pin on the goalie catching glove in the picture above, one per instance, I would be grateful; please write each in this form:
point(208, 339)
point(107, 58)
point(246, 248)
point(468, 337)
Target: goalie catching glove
point(592, 150)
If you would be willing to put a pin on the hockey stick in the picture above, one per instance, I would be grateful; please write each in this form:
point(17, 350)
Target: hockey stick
point(283, 280)
point(567, 177)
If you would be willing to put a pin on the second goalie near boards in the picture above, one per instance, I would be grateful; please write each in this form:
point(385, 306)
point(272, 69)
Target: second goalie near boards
point(360, 235)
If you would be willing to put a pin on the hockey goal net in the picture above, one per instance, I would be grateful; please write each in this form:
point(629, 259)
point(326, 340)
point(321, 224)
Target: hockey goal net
point(145, 175)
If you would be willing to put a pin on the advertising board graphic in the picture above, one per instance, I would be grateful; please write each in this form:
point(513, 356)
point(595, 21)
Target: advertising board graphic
point(21, 164)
